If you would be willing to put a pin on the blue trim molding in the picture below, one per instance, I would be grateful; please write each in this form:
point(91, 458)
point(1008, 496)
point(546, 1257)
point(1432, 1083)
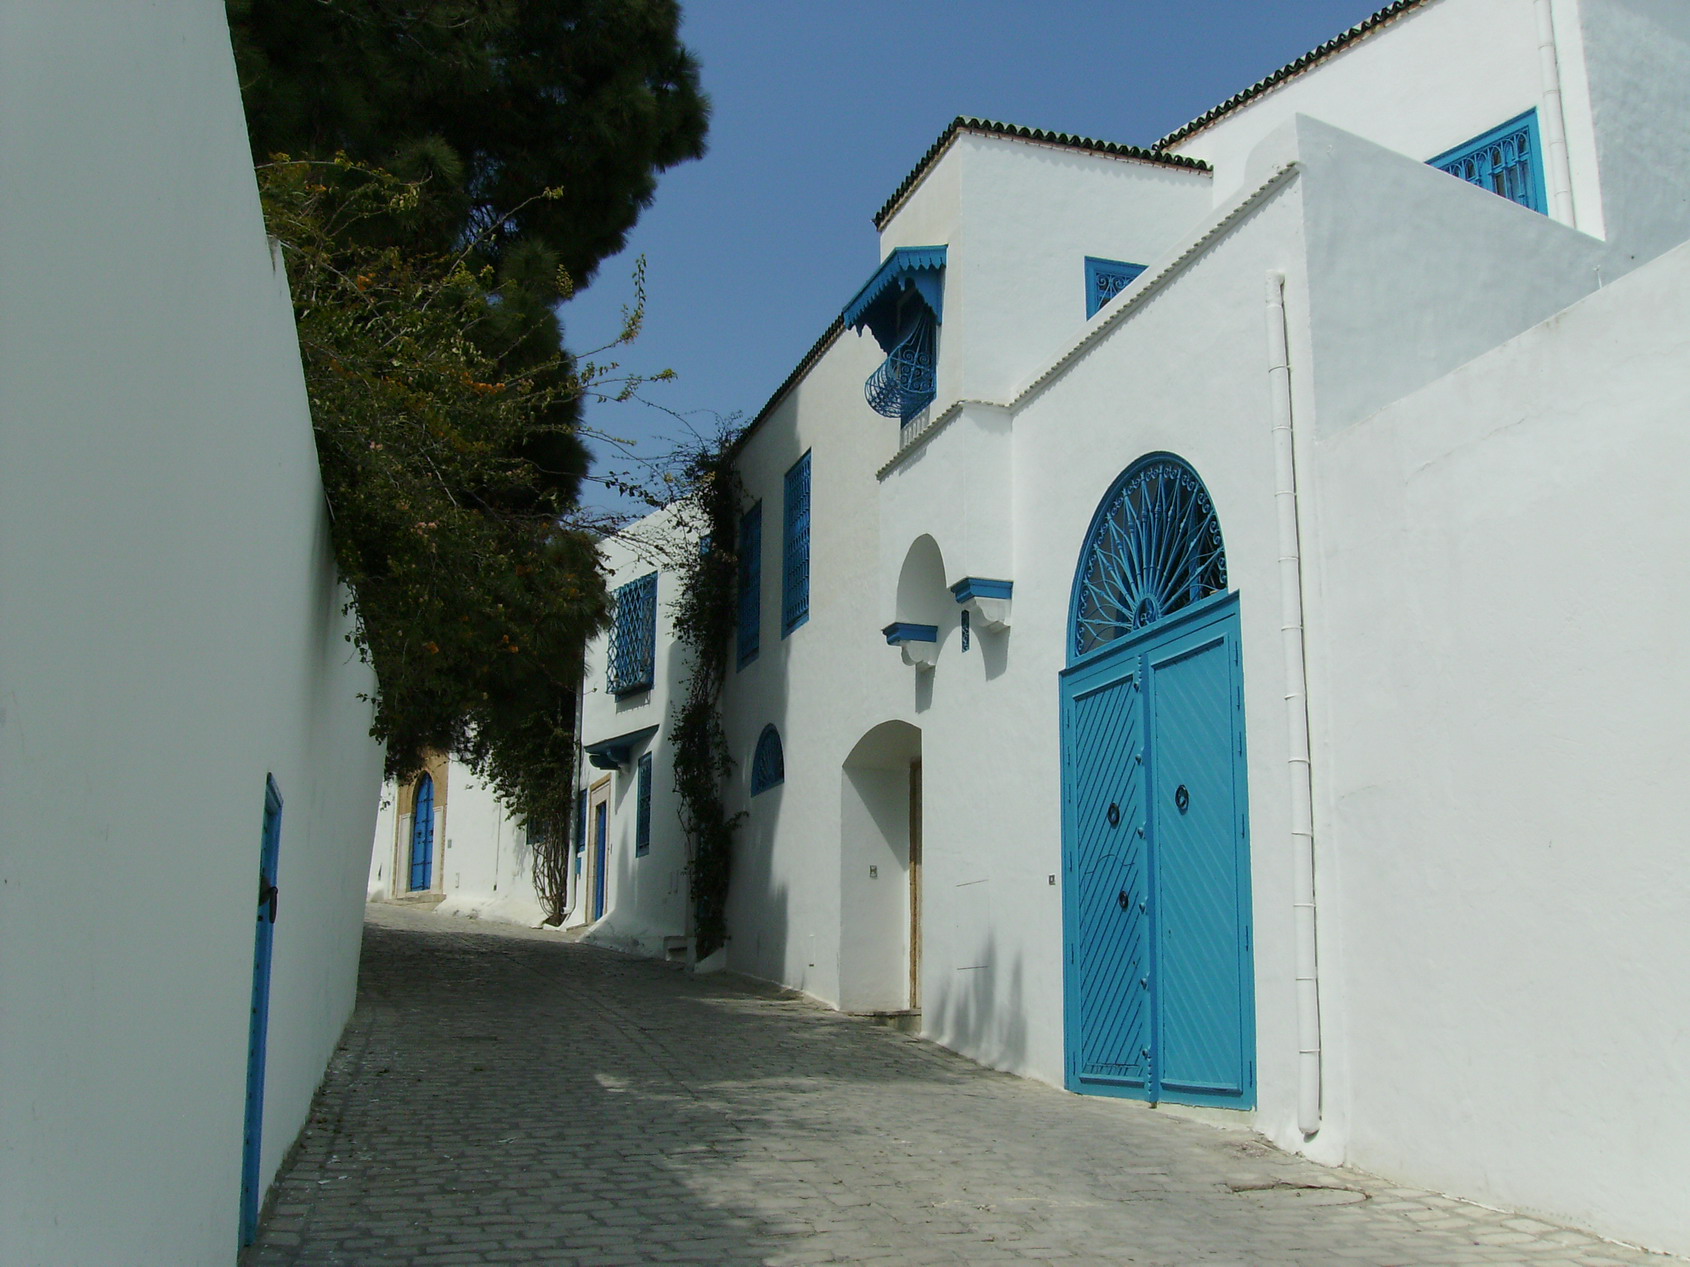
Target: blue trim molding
point(1105, 279)
point(613, 754)
point(982, 587)
point(920, 268)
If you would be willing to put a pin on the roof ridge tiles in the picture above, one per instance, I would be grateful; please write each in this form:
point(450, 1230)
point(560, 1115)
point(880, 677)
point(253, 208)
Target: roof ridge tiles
point(992, 127)
point(1382, 17)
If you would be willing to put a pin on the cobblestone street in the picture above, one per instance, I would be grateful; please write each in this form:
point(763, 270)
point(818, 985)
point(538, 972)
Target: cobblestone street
point(503, 1097)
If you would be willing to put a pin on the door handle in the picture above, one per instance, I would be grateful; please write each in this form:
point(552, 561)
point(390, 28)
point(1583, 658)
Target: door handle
point(1125, 901)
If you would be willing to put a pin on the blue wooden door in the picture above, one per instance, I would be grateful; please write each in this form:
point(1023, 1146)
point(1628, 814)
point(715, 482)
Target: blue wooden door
point(601, 854)
point(1109, 882)
point(422, 836)
point(270, 843)
point(1156, 907)
point(1206, 1042)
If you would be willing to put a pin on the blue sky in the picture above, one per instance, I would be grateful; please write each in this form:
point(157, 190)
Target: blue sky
point(821, 107)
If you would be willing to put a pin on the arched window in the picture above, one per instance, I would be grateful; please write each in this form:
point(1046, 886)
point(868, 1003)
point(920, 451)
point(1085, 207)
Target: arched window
point(1154, 547)
point(768, 763)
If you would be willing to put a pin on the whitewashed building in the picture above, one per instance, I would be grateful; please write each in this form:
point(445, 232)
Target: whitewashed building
point(1210, 621)
point(187, 780)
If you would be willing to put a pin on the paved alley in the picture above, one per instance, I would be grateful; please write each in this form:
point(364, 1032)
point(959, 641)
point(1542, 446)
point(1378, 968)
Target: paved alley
point(504, 1097)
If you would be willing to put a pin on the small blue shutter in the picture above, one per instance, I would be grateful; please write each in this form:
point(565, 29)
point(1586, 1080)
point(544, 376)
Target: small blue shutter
point(795, 568)
point(750, 584)
point(632, 651)
point(642, 814)
point(768, 763)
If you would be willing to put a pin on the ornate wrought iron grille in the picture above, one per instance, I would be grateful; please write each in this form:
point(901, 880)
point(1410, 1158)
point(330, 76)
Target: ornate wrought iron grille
point(795, 557)
point(633, 636)
point(1154, 548)
point(904, 384)
point(1105, 279)
point(642, 811)
point(1504, 162)
point(768, 763)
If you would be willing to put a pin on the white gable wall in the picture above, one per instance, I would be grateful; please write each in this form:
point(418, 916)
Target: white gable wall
point(171, 633)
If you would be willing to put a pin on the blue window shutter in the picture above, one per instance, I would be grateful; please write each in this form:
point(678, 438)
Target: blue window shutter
point(642, 813)
point(795, 556)
point(1507, 160)
point(632, 651)
point(750, 584)
point(1105, 279)
point(768, 763)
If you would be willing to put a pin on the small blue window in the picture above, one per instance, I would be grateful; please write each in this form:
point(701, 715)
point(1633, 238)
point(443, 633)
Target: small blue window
point(1506, 160)
point(642, 811)
point(1105, 279)
point(768, 763)
point(633, 636)
point(750, 584)
point(795, 549)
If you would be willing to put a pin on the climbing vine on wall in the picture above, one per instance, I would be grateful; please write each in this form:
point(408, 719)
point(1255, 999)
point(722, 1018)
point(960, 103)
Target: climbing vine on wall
point(704, 616)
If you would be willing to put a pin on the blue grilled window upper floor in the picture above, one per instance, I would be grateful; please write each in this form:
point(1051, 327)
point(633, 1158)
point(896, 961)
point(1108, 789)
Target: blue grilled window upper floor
point(750, 584)
point(1507, 160)
point(633, 636)
point(642, 812)
point(1105, 279)
point(795, 548)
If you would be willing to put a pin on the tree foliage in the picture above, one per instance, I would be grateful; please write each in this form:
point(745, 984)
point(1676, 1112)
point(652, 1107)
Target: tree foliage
point(704, 618)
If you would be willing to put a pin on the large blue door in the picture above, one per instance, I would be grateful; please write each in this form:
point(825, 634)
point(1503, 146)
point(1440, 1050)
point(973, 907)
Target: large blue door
point(270, 843)
point(422, 836)
point(1159, 991)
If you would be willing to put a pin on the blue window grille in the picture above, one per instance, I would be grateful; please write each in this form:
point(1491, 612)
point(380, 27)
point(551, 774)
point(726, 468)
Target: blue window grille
point(795, 552)
point(904, 384)
point(1154, 547)
point(1505, 160)
point(1105, 279)
point(642, 811)
point(750, 584)
point(633, 636)
point(768, 763)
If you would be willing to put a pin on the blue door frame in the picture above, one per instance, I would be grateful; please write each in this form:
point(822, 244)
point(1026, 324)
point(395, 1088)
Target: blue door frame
point(1158, 963)
point(601, 854)
point(259, 1020)
point(422, 836)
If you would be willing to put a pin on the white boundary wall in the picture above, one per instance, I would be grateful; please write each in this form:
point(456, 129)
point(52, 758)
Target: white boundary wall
point(171, 631)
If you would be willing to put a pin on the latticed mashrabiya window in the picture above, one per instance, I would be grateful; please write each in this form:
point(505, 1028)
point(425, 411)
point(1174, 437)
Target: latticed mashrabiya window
point(633, 636)
point(768, 763)
point(642, 810)
point(795, 548)
point(1506, 160)
point(750, 584)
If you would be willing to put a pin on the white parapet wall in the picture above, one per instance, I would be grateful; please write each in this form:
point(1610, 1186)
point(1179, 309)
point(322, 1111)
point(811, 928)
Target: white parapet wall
point(171, 634)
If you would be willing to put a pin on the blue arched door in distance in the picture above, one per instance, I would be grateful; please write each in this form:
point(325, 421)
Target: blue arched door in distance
point(1159, 980)
point(422, 836)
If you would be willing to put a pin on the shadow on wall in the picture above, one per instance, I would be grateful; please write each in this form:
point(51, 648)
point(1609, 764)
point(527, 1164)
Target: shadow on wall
point(980, 1010)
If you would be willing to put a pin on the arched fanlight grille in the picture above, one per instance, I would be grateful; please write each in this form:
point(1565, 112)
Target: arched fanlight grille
point(1154, 547)
point(768, 763)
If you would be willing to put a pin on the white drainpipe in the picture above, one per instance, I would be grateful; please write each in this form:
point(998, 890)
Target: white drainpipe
point(1296, 712)
point(1560, 172)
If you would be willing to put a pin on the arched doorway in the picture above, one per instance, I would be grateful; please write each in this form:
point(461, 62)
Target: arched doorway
point(1159, 994)
point(422, 836)
point(880, 872)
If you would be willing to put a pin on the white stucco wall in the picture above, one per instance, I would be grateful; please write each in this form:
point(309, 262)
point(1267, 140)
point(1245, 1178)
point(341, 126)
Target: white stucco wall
point(646, 909)
point(171, 633)
point(1501, 685)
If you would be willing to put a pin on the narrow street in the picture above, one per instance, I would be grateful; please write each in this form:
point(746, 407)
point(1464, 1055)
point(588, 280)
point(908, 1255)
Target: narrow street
point(503, 1097)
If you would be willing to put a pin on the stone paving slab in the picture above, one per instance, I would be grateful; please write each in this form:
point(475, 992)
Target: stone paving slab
point(502, 1096)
